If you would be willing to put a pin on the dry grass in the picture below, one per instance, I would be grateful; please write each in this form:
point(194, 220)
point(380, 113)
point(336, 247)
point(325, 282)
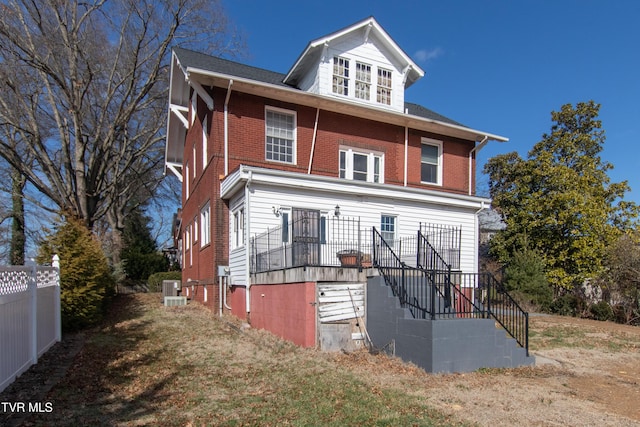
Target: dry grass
point(183, 366)
point(180, 366)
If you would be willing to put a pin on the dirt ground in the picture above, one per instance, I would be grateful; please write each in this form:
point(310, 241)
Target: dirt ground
point(587, 373)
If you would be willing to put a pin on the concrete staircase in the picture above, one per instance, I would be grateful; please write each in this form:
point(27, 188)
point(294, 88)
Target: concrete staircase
point(441, 345)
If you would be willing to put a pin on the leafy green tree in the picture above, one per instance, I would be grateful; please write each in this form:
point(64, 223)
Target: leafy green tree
point(622, 277)
point(140, 255)
point(86, 282)
point(561, 198)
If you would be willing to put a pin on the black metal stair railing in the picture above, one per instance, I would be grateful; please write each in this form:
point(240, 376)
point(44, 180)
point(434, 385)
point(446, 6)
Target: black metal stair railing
point(432, 290)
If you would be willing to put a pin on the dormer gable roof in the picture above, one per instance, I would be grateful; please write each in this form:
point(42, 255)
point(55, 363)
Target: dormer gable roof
point(368, 28)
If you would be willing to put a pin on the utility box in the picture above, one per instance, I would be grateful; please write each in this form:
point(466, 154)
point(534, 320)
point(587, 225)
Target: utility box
point(171, 288)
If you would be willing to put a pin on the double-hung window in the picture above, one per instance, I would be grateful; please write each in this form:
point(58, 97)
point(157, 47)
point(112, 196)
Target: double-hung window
point(384, 86)
point(205, 142)
point(341, 76)
point(431, 162)
point(388, 229)
point(363, 81)
point(280, 144)
point(205, 225)
point(361, 165)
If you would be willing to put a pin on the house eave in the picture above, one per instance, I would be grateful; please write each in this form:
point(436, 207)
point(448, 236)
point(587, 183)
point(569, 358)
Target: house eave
point(323, 102)
point(244, 175)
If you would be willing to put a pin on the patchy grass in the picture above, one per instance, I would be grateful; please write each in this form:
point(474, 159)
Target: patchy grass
point(151, 365)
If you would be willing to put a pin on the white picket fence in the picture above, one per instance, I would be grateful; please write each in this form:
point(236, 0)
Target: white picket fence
point(29, 316)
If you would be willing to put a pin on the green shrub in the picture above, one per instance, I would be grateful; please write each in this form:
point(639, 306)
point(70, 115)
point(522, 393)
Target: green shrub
point(601, 311)
point(155, 280)
point(565, 305)
point(526, 279)
point(86, 282)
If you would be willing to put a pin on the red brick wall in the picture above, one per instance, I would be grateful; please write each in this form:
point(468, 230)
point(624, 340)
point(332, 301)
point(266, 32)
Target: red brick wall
point(286, 310)
point(247, 146)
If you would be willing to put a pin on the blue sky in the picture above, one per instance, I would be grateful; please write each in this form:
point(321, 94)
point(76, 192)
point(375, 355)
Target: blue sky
point(498, 66)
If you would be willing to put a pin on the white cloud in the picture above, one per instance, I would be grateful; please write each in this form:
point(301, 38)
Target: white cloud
point(424, 55)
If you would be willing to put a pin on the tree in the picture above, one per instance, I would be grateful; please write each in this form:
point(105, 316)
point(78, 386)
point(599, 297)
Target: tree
point(85, 89)
point(140, 255)
point(561, 198)
point(622, 276)
point(525, 276)
point(86, 282)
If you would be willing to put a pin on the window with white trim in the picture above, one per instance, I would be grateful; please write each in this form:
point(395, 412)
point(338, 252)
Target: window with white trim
point(388, 228)
point(280, 144)
point(431, 162)
point(238, 228)
point(361, 165)
point(340, 75)
point(384, 86)
point(187, 237)
point(205, 225)
point(205, 142)
point(186, 179)
point(195, 230)
point(363, 81)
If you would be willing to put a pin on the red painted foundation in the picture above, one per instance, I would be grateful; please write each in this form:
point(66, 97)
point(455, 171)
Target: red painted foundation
point(287, 310)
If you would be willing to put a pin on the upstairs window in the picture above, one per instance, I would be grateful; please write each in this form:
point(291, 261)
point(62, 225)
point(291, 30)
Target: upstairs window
point(431, 162)
point(363, 81)
point(361, 166)
point(280, 136)
point(205, 225)
point(340, 76)
point(205, 142)
point(384, 86)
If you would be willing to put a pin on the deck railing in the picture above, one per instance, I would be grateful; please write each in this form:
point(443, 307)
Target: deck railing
point(327, 242)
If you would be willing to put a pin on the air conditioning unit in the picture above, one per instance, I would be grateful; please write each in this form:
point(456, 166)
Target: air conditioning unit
point(174, 301)
point(171, 288)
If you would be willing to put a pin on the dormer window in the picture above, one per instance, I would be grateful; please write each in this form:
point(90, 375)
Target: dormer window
point(384, 86)
point(340, 76)
point(363, 81)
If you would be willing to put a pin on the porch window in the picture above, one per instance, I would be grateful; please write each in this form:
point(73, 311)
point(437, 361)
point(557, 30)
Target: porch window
point(361, 166)
point(280, 135)
point(388, 229)
point(363, 81)
point(341, 76)
point(384, 86)
point(205, 225)
point(431, 162)
point(238, 228)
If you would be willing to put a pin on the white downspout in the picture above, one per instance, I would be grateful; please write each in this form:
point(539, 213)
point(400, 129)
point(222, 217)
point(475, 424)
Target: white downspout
point(247, 246)
point(313, 141)
point(475, 149)
point(226, 129)
point(220, 278)
point(224, 295)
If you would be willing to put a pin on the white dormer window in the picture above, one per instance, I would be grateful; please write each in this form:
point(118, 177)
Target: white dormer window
point(340, 76)
point(384, 86)
point(363, 81)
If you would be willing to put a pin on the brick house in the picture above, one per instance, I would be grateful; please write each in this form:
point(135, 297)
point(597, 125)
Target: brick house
point(300, 190)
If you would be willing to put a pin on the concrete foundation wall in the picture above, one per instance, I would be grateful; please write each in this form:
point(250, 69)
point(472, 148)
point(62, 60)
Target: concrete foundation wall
point(445, 345)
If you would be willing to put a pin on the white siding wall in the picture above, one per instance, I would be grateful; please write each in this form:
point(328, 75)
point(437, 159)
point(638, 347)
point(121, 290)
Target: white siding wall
point(238, 263)
point(368, 208)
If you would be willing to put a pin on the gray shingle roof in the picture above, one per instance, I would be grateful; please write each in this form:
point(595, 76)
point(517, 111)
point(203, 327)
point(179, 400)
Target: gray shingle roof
point(190, 58)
